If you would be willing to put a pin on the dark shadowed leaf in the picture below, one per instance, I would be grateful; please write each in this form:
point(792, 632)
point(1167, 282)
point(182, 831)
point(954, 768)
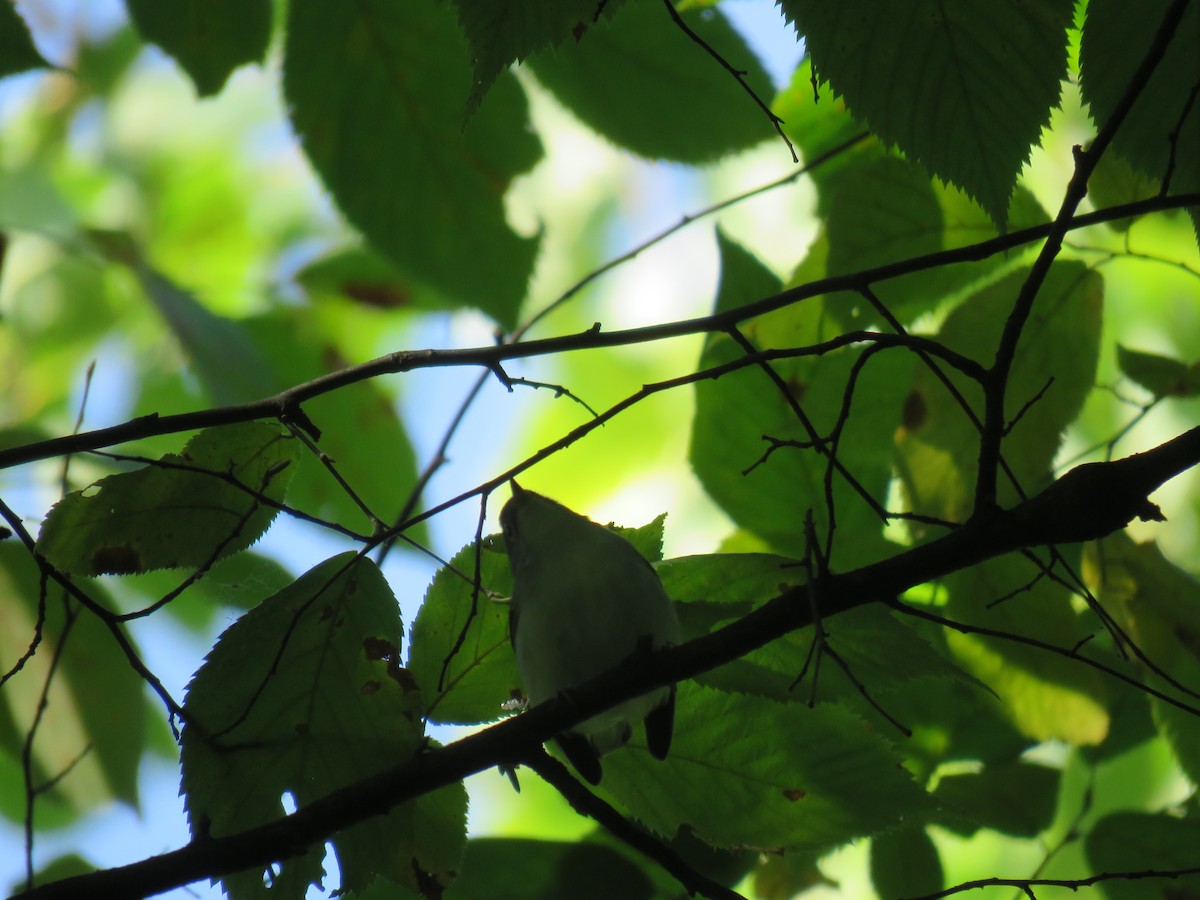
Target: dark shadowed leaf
point(643, 84)
point(209, 38)
point(377, 93)
point(185, 510)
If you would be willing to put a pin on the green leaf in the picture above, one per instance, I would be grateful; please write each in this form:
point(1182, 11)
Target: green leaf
point(230, 365)
point(1017, 798)
point(730, 579)
point(950, 719)
point(502, 34)
point(209, 38)
point(1145, 842)
point(304, 695)
point(466, 681)
point(361, 431)
point(905, 863)
point(884, 653)
point(548, 870)
point(1045, 695)
point(1116, 37)
point(893, 663)
point(1114, 182)
point(882, 212)
point(1056, 358)
point(1160, 375)
point(888, 210)
point(740, 413)
point(713, 589)
point(795, 779)
point(642, 83)
point(1156, 601)
point(373, 88)
point(17, 51)
point(365, 277)
point(646, 539)
point(965, 91)
point(241, 581)
point(817, 125)
point(102, 64)
point(744, 279)
point(90, 733)
point(181, 511)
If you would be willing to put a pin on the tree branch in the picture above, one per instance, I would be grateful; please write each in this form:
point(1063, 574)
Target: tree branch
point(286, 405)
point(1087, 503)
point(1085, 163)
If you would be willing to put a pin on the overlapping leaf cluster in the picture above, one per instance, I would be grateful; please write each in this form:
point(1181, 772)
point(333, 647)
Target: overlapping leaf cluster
point(817, 432)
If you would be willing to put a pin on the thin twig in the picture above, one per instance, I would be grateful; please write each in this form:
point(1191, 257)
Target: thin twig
point(738, 74)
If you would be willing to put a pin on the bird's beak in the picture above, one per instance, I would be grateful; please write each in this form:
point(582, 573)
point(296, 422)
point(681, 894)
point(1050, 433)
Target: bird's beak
point(517, 490)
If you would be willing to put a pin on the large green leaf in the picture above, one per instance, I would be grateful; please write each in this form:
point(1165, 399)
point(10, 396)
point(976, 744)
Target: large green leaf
point(17, 52)
point(460, 655)
point(549, 870)
point(182, 511)
point(793, 778)
point(376, 90)
point(887, 210)
point(361, 431)
point(503, 33)
point(1156, 134)
point(1052, 373)
point(1046, 696)
point(304, 695)
point(1145, 842)
point(643, 84)
point(209, 38)
point(231, 366)
point(1017, 798)
point(1158, 604)
point(88, 741)
point(884, 654)
point(962, 88)
point(738, 413)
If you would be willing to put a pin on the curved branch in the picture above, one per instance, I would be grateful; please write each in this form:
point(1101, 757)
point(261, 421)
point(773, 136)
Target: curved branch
point(286, 405)
point(1062, 513)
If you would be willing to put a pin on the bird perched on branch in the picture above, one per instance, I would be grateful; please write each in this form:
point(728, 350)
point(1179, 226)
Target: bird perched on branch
point(584, 600)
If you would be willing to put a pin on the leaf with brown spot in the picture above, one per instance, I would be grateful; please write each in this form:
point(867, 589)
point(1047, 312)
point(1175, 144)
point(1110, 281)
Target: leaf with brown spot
point(184, 510)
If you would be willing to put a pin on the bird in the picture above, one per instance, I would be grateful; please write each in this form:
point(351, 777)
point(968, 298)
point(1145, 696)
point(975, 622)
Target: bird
point(585, 600)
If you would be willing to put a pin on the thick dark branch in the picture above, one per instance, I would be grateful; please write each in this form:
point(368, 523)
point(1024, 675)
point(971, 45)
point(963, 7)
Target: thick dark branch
point(287, 404)
point(1066, 511)
point(588, 804)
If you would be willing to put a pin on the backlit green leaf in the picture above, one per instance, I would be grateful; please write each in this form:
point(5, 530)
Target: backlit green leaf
point(796, 778)
point(964, 88)
point(17, 52)
point(304, 695)
point(466, 681)
point(87, 746)
point(377, 91)
point(185, 510)
point(1160, 375)
point(1156, 135)
point(209, 38)
point(643, 84)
